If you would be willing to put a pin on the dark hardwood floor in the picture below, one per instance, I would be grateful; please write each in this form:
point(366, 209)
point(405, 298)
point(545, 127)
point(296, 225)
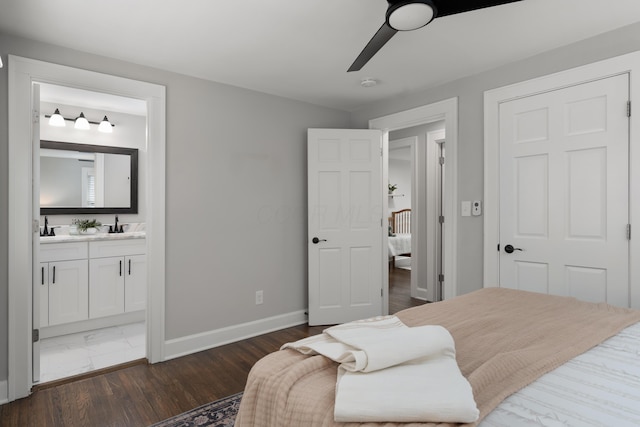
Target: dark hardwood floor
point(142, 394)
point(400, 290)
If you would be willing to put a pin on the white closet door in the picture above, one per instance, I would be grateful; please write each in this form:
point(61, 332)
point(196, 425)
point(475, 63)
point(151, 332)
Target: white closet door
point(564, 183)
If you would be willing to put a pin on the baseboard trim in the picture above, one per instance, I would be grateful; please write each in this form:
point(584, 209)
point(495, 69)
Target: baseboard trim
point(4, 392)
point(205, 340)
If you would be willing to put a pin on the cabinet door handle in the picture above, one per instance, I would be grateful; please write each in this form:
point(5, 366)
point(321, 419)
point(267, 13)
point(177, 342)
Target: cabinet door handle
point(129, 266)
point(54, 275)
point(120, 267)
point(43, 275)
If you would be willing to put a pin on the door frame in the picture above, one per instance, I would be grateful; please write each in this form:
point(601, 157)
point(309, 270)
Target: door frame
point(446, 110)
point(22, 73)
point(629, 63)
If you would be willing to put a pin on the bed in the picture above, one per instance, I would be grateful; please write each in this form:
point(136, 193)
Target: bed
point(506, 343)
point(399, 235)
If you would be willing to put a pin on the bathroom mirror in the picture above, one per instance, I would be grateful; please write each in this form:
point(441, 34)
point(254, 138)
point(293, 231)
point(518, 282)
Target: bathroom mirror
point(85, 179)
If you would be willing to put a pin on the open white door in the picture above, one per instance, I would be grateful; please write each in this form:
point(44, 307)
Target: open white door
point(346, 207)
point(564, 192)
point(39, 276)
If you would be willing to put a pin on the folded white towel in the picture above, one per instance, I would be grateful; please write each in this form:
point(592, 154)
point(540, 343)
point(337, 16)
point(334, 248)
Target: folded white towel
point(390, 372)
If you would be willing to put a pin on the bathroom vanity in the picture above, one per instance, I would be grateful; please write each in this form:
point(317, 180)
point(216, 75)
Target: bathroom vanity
point(91, 281)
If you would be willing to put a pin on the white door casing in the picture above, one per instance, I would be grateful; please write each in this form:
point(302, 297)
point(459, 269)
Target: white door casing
point(40, 288)
point(628, 65)
point(345, 209)
point(435, 188)
point(22, 73)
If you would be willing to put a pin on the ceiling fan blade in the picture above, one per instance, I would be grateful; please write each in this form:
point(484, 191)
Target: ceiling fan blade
point(451, 7)
point(381, 37)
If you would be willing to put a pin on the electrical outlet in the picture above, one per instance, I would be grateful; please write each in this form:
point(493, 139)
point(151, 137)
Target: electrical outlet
point(259, 297)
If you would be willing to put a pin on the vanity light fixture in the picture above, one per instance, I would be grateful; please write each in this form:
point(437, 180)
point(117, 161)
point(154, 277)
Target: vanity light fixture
point(81, 122)
point(57, 120)
point(105, 126)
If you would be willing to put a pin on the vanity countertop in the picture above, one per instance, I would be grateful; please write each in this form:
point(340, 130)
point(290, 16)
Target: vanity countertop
point(92, 237)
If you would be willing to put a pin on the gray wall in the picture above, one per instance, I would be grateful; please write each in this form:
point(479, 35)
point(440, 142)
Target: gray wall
point(236, 194)
point(236, 180)
point(470, 92)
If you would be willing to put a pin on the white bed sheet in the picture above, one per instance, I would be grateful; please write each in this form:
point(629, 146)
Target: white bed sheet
point(598, 388)
point(399, 244)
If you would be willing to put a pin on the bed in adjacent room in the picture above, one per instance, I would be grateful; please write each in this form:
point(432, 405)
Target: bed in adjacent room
point(399, 239)
point(530, 359)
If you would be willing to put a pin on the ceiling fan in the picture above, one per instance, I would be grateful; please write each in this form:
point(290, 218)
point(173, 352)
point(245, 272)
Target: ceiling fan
point(407, 15)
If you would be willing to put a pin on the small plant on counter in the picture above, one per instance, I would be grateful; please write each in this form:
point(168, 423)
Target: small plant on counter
point(392, 188)
point(84, 224)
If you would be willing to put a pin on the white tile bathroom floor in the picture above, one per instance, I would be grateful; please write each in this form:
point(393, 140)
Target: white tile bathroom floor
point(74, 354)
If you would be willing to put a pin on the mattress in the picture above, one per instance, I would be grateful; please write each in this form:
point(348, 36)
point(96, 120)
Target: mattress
point(399, 244)
point(600, 387)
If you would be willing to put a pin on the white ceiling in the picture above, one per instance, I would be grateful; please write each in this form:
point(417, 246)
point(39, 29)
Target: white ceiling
point(61, 95)
point(301, 49)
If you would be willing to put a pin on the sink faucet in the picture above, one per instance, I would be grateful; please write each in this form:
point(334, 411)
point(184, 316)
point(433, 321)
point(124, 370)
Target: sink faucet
point(45, 232)
point(115, 227)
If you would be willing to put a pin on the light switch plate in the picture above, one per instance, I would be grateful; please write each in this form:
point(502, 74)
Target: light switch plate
point(465, 208)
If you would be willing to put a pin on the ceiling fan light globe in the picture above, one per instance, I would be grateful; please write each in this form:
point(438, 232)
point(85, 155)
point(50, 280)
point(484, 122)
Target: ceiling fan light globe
point(410, 15)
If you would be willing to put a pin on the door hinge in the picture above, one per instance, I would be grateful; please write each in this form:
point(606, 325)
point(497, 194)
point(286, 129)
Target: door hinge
point(441, 219)
point(35, 226)
point(440, 278)
point(628, 231)
point(628, 108)
point(36, 335)
point(441, 160)
point(381, 294)
point(36, 116)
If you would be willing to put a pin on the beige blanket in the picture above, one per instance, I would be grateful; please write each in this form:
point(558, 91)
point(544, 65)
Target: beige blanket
point(504, 339)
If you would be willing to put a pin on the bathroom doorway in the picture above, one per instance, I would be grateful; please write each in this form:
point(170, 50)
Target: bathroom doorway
point(23, 74)
point(79, 333)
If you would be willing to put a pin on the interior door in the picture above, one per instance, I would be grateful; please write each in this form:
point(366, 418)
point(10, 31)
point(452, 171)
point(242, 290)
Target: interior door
point(345, 208)
point(39, 289)
point(564, 183)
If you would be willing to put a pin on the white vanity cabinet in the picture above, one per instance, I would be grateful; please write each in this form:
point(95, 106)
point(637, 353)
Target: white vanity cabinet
point(117, 277)
point(64, 284)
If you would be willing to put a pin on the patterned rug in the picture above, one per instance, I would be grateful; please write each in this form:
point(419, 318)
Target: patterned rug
point(221, 413)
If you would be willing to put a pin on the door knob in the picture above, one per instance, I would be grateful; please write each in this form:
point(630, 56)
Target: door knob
point(509, 249)
point(315, 240)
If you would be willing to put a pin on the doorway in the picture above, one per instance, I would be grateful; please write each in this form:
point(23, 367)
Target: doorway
point(97, 338)
point(23, 225)
point(415, 167)
point(445, 111)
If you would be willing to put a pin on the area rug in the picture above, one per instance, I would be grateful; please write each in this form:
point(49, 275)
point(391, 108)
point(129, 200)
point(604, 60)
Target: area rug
point(221, 413)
